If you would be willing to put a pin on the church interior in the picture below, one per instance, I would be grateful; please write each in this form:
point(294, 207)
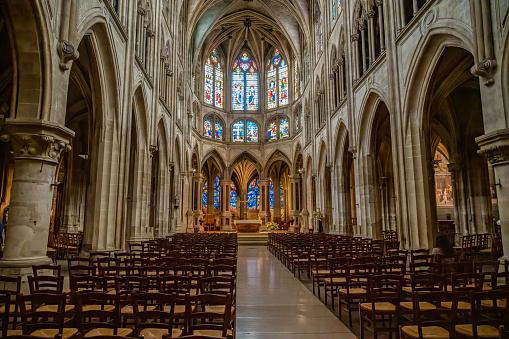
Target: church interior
point(254, 168)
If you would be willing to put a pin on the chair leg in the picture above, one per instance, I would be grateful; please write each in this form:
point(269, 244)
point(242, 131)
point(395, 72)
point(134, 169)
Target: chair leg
point(361, 324)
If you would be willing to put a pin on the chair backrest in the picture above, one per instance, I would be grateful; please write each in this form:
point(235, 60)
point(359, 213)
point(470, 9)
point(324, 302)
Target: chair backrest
point(153, 310)
point(46, 284)
point(386, 288)
point(38, 270)
point(438, 316)
point(34, 316)
point(199, 317)
point(89, 283)
point(495, 315)
point(427, 282)
point(177, 284)
point(132, 283)
point(102, 311)
point(217, 284)
point(11, 284)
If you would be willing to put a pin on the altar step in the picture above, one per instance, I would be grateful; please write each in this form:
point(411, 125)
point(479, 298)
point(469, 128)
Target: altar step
point(250, 239)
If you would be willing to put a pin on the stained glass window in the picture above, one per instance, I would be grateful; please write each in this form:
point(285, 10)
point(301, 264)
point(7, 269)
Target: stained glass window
point(217, 192)
point(204, 196)
point(233, 196)
point(339, 5)
point(252, 131)
point(271, 85)
point(219, 130)
point(238, 131)
point(245, 84)
point(284, 128)
point(209, 81)
point(277, 81)
point(296, 78)
point(271, 194)
point(282, 194)
point(333, 9)
point(283, 84)
point(207, 127)
point(253, 194)
point(273, 130)
point(297, 126)
point(219, 87)
point(238, 89)
point(213, 89)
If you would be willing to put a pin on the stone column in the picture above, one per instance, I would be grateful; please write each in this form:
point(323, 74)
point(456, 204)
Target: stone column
point(197, 187)
point(371, 36)
point(362, 28)
point(277, 199)
point(264, 203)
point(226, 214)
point(292, 201)
point(355, 40)
point(37, 147)
point(304, 212)
point(381, 24)
point(495, 147)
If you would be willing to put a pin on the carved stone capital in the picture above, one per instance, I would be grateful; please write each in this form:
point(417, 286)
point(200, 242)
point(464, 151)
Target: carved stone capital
point(495, 146)
point(379, 3)
point(354, 37)
point(485, 70)
point(43, 141)
point(153, 148)
point(67, 53)
point(370, 14)
point(362, 24)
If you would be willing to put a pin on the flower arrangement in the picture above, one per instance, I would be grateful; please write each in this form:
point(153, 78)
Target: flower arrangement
point(272, 227)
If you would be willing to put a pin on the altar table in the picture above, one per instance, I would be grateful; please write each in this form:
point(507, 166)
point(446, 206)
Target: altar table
point(248, 225)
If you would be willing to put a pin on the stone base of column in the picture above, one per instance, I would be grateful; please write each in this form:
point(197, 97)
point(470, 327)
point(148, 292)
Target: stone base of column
point(21, 267)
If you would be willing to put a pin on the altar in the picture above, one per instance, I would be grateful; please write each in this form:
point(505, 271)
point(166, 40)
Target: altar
point(245, 226)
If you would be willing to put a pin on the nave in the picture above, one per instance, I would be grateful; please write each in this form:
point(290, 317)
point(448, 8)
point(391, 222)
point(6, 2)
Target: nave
point(272, 303)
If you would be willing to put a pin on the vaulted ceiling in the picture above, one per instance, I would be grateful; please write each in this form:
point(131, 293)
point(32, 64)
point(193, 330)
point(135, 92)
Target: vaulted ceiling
point(256, 25)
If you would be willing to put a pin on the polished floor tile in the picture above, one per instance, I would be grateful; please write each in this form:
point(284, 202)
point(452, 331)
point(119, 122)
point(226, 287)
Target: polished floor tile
point(272, 303)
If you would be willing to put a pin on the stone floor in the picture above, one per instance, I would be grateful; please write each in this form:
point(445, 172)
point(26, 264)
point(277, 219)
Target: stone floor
point(271, 303)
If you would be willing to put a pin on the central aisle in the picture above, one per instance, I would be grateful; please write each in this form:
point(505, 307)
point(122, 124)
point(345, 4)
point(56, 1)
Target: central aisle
point(271, 303)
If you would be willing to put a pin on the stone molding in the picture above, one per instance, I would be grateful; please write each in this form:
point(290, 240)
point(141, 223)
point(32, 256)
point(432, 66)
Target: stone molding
point(37, 139)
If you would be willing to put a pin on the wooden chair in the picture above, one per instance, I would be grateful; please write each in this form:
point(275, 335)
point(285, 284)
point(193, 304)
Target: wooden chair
point(485, 321)
point(421, 282)
point(463, 284)
point(432, 323)
point(12, 286)
point(320, 269)
point(153, 313)
point(42, 315)
point(356, 289)
point(385, 294)
point(201, 320)
point(98, 314)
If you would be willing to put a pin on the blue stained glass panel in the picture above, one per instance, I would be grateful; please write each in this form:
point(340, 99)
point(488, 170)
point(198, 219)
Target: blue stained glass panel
point(253, 195)
point(283, 84)
point(209, 83)
point(207, 127)
point(252, 131)
point(219, 130)
point(272, 131)
point(238, 131)
point(238, 90)
point(233, 196)
point(284, 128)
point(271, 194)
point(217, 192)
point(282, 196)
point(204, 196)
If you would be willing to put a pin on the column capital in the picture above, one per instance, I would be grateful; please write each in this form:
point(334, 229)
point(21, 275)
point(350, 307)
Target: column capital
point(37, 139)
point(494, 146)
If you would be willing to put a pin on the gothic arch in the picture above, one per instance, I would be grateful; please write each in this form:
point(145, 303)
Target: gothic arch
point(216, 157)
point(371, 101)
point(277, 155)
point(425, 60)
point(32, 84)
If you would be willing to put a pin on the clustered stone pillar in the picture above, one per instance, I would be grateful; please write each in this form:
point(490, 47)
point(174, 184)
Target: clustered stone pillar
point(495, 147)
point(197, 183)
point(292, 201)
point(37, 148)
point(224, 203)
point(305, 213)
